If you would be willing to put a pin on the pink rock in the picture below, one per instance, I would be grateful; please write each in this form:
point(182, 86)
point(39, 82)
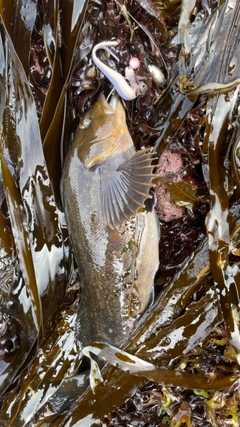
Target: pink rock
point(170, 166)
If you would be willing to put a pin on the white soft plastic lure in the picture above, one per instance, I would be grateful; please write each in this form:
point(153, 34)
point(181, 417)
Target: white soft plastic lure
point(125, 90)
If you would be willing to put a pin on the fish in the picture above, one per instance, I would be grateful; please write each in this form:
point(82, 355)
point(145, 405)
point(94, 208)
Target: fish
point(106, 189)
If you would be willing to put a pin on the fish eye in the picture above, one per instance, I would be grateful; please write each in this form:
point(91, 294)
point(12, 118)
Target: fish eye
point(85, 123)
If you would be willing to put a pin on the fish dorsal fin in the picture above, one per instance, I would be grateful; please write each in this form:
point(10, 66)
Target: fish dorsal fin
point(124, 190)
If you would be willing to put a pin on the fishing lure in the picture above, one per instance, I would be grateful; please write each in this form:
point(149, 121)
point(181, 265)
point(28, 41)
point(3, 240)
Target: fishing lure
point(126, 90)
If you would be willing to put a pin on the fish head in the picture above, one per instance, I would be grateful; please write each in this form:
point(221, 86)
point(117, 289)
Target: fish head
point(104, 147)
point(102, 132)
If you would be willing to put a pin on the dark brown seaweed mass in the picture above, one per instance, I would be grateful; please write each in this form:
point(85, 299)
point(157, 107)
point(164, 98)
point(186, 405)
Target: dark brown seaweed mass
point(192, 118)
point(8, 336)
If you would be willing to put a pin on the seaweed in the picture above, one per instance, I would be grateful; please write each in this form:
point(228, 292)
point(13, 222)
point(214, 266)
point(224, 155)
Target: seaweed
point(181, 364)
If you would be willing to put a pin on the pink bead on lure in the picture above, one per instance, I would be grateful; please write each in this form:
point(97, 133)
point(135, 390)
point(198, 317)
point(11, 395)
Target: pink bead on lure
point(125, 90)
point(134, 63)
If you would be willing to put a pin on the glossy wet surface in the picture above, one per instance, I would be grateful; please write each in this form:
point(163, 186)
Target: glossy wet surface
point(185, 367)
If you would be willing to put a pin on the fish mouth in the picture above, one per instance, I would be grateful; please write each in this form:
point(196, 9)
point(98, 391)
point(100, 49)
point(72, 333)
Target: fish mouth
point(105, 102)
point(113, 102)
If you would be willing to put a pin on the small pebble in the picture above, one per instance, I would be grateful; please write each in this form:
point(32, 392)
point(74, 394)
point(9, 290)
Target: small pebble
point(157, 74)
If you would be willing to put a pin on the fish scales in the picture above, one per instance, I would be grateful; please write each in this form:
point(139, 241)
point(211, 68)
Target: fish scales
point(105, 184)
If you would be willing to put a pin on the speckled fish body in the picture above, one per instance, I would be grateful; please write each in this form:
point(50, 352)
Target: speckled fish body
point(115, 238)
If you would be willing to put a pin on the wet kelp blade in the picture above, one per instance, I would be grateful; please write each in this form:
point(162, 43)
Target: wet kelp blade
point(52, 42)
point(173, 299)
point(213, 67)
point(19, 18)
point(139, 367)
point(16, 338)
point(185, 333)
point(53, 125)
point(58, 357)
point(219, 109)
point(236, 154)
point(51, 30)
point(22, 243)
point(119, 386)
point(23, 154)
point(14, 203)
point(210, 53)
point(35, 221)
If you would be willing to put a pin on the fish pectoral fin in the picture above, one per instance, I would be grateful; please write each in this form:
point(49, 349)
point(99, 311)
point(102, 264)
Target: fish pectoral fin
point(124, 191)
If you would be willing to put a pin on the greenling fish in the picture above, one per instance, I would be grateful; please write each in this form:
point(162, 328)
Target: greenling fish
point(112, 223)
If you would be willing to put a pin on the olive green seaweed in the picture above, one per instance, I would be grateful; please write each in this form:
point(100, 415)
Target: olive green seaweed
point(44, 379)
